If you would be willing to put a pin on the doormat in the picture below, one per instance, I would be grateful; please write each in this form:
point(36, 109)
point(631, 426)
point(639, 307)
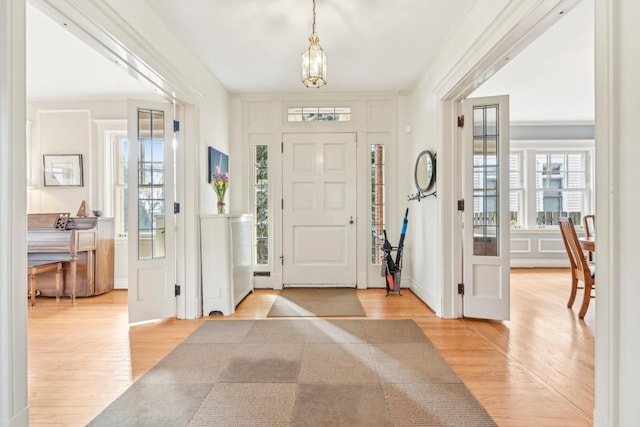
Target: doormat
point(317, 302)
point(300, 372)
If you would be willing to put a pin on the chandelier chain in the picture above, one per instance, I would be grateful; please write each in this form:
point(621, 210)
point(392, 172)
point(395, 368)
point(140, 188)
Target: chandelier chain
point(314, 18)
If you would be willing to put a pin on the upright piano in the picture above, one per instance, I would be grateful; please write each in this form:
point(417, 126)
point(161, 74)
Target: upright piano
point(86, 241)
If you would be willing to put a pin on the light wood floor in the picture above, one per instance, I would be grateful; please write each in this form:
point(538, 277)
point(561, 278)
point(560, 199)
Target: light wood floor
point(534, 370)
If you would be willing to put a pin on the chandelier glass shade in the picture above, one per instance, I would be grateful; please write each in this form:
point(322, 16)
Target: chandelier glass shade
point(314, 61)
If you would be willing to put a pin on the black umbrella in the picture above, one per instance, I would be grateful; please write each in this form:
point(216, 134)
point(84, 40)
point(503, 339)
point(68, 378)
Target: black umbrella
point(388, 259)
point(405, 222)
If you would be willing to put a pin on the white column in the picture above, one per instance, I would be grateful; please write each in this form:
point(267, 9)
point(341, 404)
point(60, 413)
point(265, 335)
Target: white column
point(617, 152)
point(14, 409)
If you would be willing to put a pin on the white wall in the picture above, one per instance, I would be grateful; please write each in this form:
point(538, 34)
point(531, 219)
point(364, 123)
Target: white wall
point(424, 229)
point(423, 111)
point(68, 128)
point(261, 119)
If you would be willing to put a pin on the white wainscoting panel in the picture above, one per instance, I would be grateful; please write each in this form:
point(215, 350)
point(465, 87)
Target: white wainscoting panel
point(521, 246)
point(551, 246)
point(260, 114)
point(379, 113)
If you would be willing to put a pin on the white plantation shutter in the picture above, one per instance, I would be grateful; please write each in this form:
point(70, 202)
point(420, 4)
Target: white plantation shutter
point(561, 183)
point(516, 188)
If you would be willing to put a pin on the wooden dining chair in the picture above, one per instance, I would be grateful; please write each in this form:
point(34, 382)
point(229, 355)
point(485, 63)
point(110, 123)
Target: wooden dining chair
point(589, 222)
point(581, 270)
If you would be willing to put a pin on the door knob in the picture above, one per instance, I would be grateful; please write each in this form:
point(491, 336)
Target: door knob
point(350, 220)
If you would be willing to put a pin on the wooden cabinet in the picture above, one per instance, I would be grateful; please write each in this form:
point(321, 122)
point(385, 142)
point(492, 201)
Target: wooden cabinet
point(227, 261)
point(94, 250)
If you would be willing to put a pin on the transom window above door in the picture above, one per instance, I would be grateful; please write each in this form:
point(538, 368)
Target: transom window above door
point(315, 114)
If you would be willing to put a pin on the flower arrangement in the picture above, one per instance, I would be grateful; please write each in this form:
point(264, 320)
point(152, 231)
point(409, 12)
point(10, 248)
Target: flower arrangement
point(220, 184)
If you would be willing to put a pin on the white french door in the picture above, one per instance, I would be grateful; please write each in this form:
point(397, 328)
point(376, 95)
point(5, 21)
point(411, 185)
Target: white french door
point(319, 209)
point(485, 177)
point(151, 221)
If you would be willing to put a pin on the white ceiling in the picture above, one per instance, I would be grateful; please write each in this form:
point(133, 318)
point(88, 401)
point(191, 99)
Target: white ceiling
point(371, 45)
point(552, 80)
point(62, 67)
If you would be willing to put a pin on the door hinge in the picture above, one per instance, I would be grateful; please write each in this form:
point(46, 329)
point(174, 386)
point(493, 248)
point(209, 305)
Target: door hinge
point(176, 207)
point(282, 146)
point(282, 204)
point(461, 205)
point(281, 259)
point(177, 289)
point(460, 288)
point(460, 121)
point(176, 126)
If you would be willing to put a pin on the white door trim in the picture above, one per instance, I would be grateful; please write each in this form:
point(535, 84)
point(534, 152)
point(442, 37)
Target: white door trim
point(14, 404)
point(607, 370)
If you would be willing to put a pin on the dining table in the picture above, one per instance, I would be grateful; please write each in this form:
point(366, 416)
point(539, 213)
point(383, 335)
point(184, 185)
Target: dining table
point(588, 243)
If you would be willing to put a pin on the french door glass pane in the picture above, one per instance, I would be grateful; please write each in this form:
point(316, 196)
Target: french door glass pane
point(486, 183)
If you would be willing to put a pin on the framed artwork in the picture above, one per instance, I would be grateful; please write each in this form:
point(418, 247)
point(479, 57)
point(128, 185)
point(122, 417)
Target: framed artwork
point(218, 163)
point(63, 170)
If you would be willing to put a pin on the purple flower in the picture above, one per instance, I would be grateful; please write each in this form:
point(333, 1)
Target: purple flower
point(220, 184)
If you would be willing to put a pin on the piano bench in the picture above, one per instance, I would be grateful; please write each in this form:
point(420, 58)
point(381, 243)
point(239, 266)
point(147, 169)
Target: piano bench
point(34, 267)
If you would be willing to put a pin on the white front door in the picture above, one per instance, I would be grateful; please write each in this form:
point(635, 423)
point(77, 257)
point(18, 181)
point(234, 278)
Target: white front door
point(485, 177)
point(319, 209)
point(151, 221)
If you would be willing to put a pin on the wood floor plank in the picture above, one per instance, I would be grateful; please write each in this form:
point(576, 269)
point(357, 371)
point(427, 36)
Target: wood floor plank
point(536, 369)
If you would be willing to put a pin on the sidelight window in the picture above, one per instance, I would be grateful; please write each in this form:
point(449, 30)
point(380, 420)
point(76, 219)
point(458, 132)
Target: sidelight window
point(261, 203)
point(377, 200)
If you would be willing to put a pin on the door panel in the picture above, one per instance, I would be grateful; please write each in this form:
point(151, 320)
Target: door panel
point(319, 206)
point(151, 222)
point(485, 166)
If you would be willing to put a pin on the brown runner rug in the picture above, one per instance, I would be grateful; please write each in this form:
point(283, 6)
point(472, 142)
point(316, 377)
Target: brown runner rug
point(317, 302)
point(299, 372)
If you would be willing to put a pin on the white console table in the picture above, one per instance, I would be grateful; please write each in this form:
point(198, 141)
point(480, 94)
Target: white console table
point(227, 262)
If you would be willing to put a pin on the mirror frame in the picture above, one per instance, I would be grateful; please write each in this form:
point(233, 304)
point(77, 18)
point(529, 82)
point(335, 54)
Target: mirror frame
point(430, 158)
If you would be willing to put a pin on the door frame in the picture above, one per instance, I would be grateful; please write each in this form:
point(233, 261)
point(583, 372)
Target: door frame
point(451, 91)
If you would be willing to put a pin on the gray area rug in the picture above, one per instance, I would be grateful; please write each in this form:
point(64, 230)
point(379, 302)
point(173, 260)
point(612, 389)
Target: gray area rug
point(316, 302)
point(299, 372)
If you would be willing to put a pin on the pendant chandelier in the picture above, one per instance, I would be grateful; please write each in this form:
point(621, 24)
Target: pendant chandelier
point(314, 61)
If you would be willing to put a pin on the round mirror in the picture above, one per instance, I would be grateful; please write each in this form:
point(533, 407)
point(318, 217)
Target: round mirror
point(425, 171)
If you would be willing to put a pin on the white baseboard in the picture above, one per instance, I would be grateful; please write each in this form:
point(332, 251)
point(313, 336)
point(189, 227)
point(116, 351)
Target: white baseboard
point(425, 297)
point(600, 420)
point(120, 284)
point(539, 263)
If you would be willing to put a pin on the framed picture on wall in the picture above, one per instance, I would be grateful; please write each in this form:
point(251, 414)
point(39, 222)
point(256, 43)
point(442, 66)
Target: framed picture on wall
point(63, 170)
point(218, 163)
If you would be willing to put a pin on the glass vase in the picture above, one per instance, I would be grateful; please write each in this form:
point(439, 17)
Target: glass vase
point(220, 207)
